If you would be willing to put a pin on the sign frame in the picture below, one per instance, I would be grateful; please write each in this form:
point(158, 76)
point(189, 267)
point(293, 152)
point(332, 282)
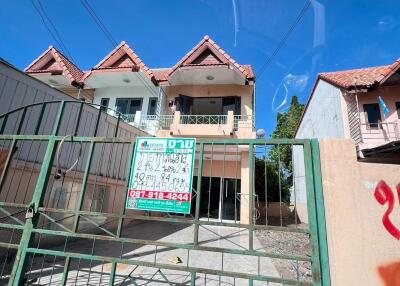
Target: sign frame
point(171, 201)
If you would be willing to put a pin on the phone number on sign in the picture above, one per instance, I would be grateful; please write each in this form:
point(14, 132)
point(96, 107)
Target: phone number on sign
point(183, 197)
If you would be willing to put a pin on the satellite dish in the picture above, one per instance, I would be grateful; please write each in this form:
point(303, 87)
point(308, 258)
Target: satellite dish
point(260, 133)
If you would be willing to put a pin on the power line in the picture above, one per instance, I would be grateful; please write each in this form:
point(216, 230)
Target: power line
point(99, 22)
point(284, 38)
point(112, 40)
point(52, 30)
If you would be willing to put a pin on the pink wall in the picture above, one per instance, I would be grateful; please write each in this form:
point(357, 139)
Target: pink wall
point(362, 217)
point(389, 131)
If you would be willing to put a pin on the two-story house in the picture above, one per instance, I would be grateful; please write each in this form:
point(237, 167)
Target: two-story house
point(206, 95)
point(345, 104)
point(350, 104)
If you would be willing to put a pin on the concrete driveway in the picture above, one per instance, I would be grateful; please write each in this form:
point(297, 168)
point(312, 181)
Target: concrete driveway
point(48, 270)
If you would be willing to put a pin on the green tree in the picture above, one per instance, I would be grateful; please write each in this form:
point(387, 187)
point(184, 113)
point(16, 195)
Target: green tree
point(276, 170)
point(286, 126)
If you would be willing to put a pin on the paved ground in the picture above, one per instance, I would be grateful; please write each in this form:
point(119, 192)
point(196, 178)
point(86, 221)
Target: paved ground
point(86, 273)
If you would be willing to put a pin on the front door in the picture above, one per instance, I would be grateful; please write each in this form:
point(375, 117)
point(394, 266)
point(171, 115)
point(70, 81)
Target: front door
point(230, 199)
point(220, 198)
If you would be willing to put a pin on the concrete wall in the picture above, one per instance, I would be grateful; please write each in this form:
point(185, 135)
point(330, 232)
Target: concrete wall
point(363, 249)
point(324, 118)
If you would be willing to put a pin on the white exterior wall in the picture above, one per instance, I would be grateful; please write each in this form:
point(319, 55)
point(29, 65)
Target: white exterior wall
point(125, 92)
point(323, 119)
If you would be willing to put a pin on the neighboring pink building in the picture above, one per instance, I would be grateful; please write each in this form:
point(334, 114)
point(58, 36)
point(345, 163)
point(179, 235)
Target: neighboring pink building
point(344, 104)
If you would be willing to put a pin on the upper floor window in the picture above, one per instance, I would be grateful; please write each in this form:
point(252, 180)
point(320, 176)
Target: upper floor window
point(151, 110)
point(104, 104)
point(372, 115)
point(208, 105)
point(128, 105)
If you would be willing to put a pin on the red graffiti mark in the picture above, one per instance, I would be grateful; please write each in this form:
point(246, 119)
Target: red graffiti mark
point(390, 274)
point(384, 194)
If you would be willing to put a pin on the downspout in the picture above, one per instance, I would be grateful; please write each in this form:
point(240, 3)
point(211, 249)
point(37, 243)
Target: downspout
point(253, 120)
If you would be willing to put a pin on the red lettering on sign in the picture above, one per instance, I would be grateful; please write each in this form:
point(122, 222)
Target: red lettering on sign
point(181, 197)
point(384, 194)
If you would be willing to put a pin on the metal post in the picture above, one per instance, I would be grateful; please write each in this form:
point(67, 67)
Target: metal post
point(39, 121)
point(83, 187)
point(57, 121)
point(26, 239)
point(117, 126)
point(312, 214)
point(320, 208)
point(7, 163)
point(121, 219)
point(251, 195)
point(78, 119)
point(198, 196)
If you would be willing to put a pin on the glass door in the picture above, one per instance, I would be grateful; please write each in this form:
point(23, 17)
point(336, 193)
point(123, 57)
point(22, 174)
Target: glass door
point(230, 199)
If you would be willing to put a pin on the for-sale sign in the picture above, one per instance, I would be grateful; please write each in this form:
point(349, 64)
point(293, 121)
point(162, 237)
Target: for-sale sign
point(162, 173)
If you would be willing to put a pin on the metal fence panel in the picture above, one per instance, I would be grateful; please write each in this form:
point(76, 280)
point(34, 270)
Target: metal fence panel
point(72, 228)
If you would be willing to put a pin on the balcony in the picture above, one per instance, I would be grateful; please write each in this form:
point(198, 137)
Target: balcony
point(378, 134)
point(194, 125)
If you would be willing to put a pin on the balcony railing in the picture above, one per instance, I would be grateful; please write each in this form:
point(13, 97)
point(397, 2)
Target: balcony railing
point(243, 121)
point(375, 134)
point(129, 118)
point(155, 122)
point(226, 123)
point(203, 119)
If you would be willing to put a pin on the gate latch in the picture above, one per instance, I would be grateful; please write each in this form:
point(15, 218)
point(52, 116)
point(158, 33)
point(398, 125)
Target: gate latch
point(30, 212)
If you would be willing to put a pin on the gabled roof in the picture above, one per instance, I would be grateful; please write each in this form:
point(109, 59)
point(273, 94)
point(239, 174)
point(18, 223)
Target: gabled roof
point(54, 62)
point(123, 58)
point(208, 53)
point(363, 78)
point(360, 78)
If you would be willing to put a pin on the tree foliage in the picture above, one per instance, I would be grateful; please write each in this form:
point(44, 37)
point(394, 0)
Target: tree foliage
point(276, 170)
point(286, 128)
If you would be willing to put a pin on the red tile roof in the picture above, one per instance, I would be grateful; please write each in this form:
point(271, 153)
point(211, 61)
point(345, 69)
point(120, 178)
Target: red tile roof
point(208, 53)
point(161, 74)
point(205, 54)
point(53, 61)
point(350, 79)
point(123, 57)
point(362, 78)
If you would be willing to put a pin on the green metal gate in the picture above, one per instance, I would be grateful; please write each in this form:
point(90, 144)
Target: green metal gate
point(64, 172)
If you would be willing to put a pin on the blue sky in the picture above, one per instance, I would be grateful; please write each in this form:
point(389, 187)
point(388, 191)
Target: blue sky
point(333, 35)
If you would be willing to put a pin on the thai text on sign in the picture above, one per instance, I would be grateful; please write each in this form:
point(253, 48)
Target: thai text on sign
point(161, 176)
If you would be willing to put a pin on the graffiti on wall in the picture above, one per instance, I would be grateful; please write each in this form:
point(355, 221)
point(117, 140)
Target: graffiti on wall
point(390, 274)
point(385, 195)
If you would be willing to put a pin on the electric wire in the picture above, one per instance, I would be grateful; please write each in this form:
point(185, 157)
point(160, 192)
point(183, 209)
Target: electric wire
point(100, 23)
point(51, 28)
point(286, 36)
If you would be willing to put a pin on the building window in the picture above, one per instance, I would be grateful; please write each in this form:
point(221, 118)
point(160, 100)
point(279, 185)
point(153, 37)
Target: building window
point(372, 115)
point(151, 110)
point(104, 104)
point(128, 105)
point(398, 109)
